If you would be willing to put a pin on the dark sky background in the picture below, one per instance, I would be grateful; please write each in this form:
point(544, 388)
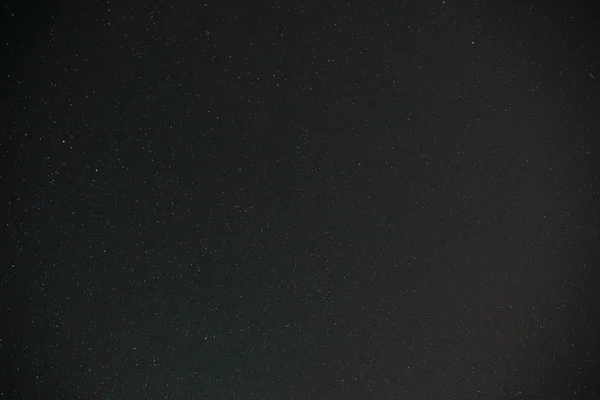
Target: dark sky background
point(299, 200)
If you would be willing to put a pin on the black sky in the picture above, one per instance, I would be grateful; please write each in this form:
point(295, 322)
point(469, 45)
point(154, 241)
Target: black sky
point(299, 200)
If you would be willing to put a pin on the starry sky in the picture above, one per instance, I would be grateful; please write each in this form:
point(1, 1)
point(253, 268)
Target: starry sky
point(299, 200)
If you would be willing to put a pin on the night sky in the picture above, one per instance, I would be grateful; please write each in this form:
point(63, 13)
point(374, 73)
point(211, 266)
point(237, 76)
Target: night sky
point(299, 200)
